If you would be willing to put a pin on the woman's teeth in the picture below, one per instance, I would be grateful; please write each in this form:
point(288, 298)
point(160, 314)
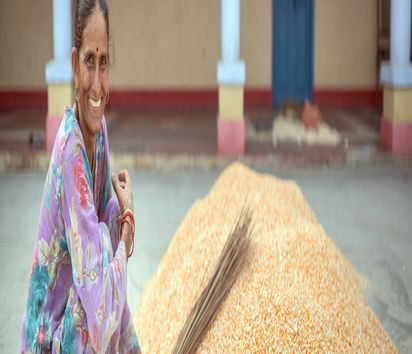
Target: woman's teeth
point(95, 104)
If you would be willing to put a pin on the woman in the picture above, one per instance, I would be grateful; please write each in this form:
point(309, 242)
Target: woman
point(77, 287)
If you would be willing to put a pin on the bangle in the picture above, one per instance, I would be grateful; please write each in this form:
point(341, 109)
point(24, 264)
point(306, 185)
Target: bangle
point(128, 213)
point(125, 219)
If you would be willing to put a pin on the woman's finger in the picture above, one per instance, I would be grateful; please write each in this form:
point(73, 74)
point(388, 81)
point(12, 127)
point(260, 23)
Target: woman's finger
point(127, 179)
point(122, 175)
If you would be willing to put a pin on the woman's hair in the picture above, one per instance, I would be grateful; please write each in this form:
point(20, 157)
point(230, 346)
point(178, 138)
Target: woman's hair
point(84, 9)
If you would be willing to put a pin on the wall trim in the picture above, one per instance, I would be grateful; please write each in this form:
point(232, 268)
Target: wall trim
point(164, 98)
point(350, 98)
point(192, 98)
point(23, 99)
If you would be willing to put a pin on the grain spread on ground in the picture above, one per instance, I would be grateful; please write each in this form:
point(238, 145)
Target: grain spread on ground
point(290, 129)
point(296, 293)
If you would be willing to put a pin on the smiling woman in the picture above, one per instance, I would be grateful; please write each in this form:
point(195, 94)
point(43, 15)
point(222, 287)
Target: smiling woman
point(77, 286)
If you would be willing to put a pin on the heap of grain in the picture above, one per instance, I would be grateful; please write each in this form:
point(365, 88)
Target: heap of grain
point(296, 292)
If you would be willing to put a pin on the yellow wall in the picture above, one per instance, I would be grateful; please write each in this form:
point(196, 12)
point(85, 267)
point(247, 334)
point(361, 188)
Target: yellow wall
point(345, 43)
point(176, 43)
point(26, 43)
point(256, 41)
point(165, 43)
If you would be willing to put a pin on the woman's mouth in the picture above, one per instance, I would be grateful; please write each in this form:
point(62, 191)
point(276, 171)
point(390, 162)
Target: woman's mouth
point(95, 104)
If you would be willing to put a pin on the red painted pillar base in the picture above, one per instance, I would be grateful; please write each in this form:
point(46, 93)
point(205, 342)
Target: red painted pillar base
point(396, 137)
point(52, 125)
point(231, 137)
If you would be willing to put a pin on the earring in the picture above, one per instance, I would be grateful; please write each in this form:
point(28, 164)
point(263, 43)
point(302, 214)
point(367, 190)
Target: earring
point(76, 101)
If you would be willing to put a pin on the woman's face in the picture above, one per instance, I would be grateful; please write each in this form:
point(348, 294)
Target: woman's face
point(91, 73)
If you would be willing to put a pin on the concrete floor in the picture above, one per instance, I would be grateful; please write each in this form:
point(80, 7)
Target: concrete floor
point(366, 209)
point(191, 131)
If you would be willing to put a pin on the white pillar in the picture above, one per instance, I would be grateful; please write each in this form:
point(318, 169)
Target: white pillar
point(59, 69)
point(400, 31)
point(230, 70)
point(231, 78)
point(398, 72)
point(230, 30)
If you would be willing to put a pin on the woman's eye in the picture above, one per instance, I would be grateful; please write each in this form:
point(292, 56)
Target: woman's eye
point(90, 62)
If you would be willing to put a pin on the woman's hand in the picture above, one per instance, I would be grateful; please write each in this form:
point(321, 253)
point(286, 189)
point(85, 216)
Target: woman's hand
point(122, 185)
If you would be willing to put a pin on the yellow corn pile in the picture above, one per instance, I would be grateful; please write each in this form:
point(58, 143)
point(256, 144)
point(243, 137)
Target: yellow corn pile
point(297, 292)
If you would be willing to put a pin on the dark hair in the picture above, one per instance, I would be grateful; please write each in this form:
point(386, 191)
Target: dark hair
point(84, 9)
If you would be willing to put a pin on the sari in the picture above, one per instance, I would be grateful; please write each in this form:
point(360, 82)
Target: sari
point(77, 285)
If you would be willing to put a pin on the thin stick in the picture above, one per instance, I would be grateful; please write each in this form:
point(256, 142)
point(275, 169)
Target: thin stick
point(227, 270)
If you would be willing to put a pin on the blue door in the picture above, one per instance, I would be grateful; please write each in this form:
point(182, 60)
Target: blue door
point(292, 51)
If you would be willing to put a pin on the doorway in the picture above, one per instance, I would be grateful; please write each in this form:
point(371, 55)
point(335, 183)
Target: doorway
point(292, 51)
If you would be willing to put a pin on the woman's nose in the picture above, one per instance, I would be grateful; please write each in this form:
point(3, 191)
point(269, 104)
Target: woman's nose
point(97, 84)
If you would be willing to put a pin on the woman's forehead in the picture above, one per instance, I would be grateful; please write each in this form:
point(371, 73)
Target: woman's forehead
point(95, 33)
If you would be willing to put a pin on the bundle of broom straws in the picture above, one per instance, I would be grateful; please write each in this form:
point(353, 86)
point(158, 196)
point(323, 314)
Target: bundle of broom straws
point(227, 269)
